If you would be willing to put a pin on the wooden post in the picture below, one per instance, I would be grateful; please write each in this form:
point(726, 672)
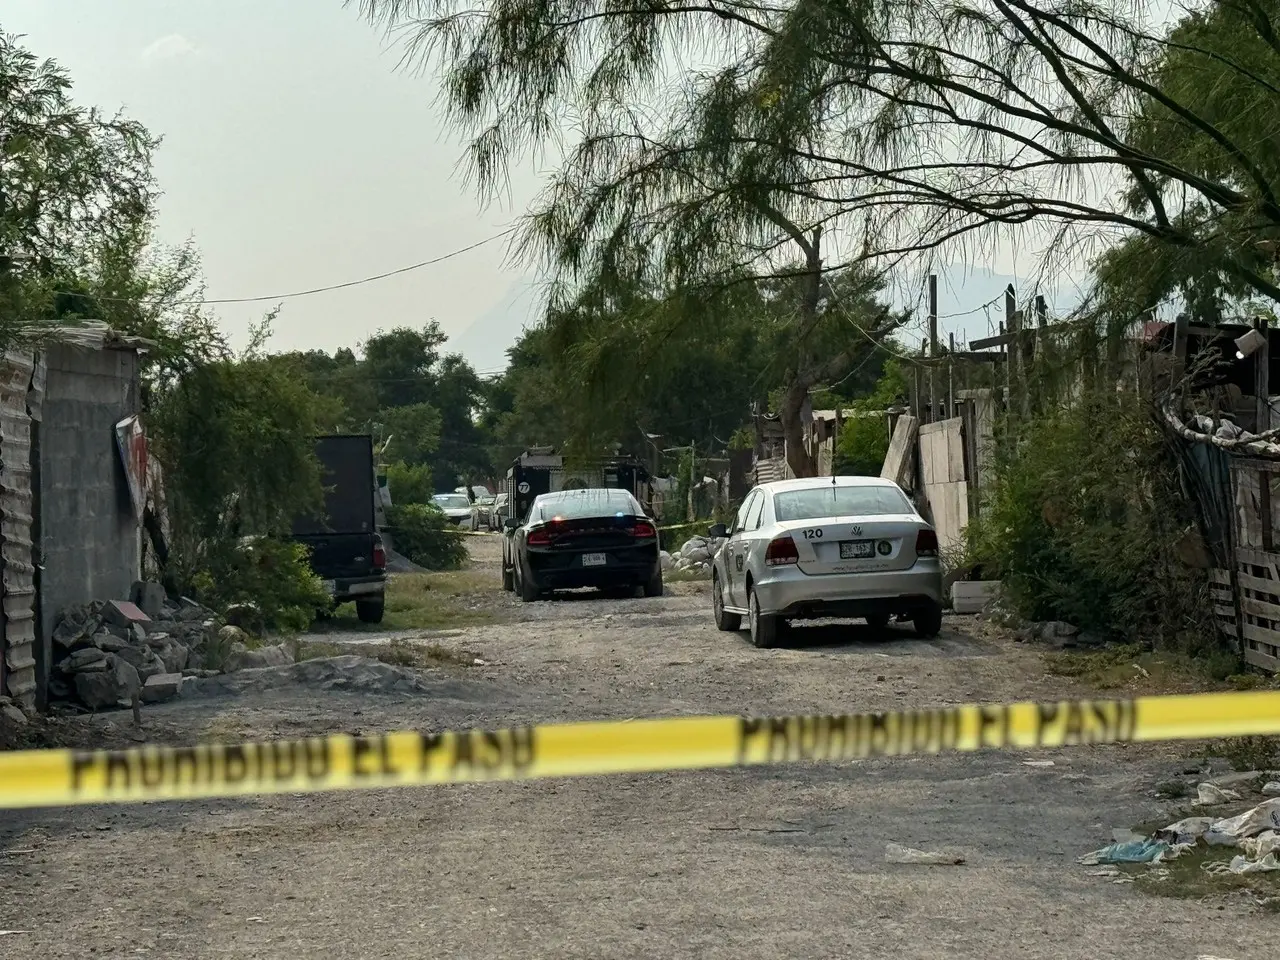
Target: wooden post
point(928, 415)
point(951, 375)
point(1013, 350)
point(1262, 422)
point(1178, 369)
point(933, 345)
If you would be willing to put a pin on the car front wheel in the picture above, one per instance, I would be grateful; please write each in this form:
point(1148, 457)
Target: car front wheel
point(764, 629)
point(728, 622)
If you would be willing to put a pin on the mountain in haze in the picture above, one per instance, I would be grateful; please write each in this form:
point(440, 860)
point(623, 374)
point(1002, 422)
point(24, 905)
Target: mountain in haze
point(484, 343)
point(970, 306)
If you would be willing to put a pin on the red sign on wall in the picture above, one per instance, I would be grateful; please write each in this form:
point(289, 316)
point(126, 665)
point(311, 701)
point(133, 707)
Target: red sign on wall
point(131, 441)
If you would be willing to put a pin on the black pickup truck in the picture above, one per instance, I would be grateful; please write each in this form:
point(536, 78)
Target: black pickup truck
point(347, 551)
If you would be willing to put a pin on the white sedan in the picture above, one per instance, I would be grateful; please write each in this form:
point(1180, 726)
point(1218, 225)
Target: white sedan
point(840, 547)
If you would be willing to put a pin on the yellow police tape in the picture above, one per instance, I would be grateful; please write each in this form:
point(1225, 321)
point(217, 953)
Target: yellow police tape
point(57, 777)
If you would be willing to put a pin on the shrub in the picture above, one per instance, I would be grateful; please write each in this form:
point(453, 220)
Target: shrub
point(409, 483)
point(424, 535)
point(272, 574)
point(1082, 520)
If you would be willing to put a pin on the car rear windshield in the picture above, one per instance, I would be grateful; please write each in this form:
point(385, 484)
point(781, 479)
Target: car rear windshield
point(454, 502)
point(582, 504)
point(836, 501)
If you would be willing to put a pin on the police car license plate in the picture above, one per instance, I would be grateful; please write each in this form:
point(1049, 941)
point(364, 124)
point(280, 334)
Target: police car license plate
point(593, 560)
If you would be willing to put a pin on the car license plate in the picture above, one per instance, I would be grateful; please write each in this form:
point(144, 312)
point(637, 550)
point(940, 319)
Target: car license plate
point(857, 549)
point(593, 560)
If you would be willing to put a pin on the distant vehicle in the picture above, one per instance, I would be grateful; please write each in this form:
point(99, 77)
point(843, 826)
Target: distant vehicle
point(481, 509)
point(347, 552)
point(581, 538)
point(498, 511)
point(840, 547)
point(541, 470)
point(455, 506)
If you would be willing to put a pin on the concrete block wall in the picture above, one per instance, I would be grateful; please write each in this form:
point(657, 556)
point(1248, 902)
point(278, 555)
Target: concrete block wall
point(89, 536)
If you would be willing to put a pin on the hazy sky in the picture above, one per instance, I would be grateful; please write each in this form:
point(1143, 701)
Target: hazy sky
point(298, 155)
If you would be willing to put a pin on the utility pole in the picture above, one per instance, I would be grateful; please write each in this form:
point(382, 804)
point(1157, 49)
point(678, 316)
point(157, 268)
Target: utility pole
point(693, 459)
point(933, 345)
point(1013, 354)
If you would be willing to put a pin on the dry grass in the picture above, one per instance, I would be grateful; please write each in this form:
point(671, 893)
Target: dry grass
point(427, 601)
point(1187, 879)
point(1136, 671)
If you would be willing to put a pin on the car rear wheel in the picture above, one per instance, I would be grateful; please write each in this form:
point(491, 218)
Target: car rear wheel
point(764, 629)
point(653, 586)
point(528, 590)
point(370, 611)
point(928, 621)
point(728, 622)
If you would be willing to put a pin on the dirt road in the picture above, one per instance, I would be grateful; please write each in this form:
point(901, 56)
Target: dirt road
point(787, 862)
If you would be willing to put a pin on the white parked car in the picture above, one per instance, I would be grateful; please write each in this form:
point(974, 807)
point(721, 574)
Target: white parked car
point(455, 506)
point(840, 547)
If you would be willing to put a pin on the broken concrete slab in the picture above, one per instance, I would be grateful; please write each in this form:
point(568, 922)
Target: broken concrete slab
point(149, 597)
point(143, 659)
point(123, 613)
point(106, 688)
point(162, 686)
point(86, 658)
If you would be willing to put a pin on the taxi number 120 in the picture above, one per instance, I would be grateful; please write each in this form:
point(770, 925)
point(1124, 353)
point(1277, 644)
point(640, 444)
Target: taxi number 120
point(813, 534)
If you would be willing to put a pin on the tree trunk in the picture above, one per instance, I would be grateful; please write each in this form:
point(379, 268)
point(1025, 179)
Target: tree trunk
point(792, 404)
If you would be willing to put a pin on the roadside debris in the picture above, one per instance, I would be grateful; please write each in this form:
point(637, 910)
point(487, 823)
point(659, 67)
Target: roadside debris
point(693, 560)
point(113, 653)
point(1210, 794)
point(1271, 789)
point(1059, 633)
point(897, 853)
point(1255, 833)
point(351, 674)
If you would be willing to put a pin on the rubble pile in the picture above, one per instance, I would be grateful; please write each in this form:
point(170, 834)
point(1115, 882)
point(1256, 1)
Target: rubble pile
point(693, 561)
point(112, 653)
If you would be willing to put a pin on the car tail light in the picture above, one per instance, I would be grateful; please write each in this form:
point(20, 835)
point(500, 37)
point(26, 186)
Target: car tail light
point(539, 538)
point(926, 544)
point(781, 551)
point(379, 555)
point(643, 530)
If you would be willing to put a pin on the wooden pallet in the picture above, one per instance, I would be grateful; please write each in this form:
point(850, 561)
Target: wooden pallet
point(1258, 578)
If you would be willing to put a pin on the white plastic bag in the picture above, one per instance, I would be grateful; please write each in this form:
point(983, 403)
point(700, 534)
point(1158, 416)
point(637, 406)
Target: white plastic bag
point(897, 853)
point(1210, 794)
point(1265, 816)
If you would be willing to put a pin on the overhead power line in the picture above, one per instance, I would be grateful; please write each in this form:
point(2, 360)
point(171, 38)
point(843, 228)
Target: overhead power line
point(313, 290)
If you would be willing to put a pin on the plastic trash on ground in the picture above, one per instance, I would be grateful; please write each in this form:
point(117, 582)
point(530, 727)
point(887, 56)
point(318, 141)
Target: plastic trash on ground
point(1185, 831)
point(1209, 794)
point(897, 853)
point(1265, 816)
point(1131, 851)
point(1267, 864)
point(1264, 844)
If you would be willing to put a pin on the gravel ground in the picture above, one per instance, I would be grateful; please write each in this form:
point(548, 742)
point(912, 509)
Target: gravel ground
point(786, 862)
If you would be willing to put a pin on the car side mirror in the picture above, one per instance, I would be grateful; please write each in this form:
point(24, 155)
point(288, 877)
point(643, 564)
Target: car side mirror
point(510, 523)
point(718, 531)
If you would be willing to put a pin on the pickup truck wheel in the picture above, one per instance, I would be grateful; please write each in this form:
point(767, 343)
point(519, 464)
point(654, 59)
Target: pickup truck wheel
point(370, 611)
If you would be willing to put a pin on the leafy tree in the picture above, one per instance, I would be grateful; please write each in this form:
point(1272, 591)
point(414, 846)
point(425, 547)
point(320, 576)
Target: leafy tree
point(863, 440)
point(409, 483)
point(413, 432)
point(236, 439)
point(73, 184)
